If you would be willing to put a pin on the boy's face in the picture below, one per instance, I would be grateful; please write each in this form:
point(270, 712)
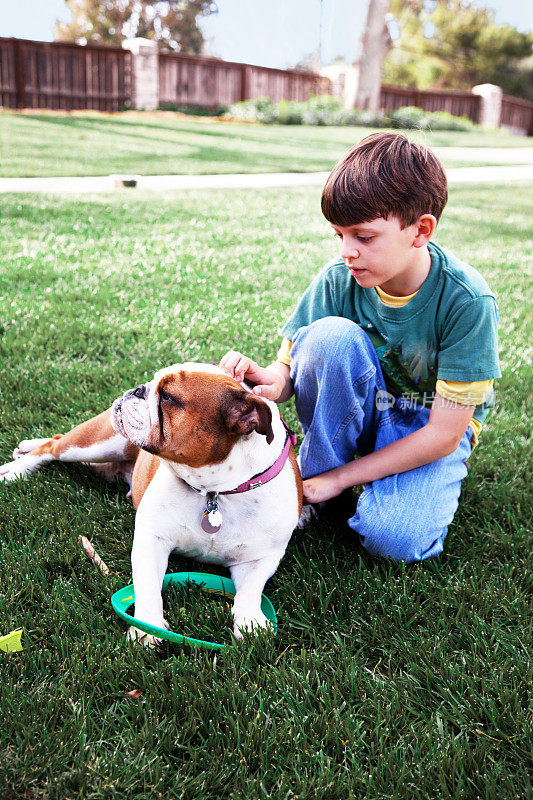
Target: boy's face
point(380, 253)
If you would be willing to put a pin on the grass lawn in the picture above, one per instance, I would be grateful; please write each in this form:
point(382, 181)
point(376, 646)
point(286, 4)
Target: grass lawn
point(385, 681)
point(50, 144)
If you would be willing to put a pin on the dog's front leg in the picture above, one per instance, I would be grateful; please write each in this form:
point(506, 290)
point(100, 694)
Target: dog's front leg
point(93, 441)
point(249, 579)
point(149, 560)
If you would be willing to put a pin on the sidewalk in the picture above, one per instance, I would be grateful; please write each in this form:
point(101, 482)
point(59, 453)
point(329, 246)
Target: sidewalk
point(166, 183)
point(486, 155)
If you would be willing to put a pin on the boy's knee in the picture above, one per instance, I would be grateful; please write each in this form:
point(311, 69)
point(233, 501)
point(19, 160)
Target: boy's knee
point(336, 343)
point(389, 534)
point(328, 333)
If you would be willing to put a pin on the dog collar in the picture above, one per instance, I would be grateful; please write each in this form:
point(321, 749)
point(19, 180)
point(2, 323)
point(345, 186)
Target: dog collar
point(271, 472)
point(211, 520)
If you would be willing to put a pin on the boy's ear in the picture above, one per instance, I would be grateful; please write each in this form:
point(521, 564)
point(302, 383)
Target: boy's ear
point(425, 225)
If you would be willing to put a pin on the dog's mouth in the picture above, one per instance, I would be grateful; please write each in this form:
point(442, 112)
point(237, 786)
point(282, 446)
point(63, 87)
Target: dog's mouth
point(135, 421)
point(116, 417)
point(130, 418)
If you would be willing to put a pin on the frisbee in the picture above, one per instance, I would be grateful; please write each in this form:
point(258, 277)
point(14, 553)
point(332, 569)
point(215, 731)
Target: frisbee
point(213, 584)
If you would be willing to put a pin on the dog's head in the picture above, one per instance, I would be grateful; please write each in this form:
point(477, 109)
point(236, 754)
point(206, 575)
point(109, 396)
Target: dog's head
point(190, 414)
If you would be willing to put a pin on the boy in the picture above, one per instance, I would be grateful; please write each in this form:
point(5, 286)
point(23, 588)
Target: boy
point(391, 353)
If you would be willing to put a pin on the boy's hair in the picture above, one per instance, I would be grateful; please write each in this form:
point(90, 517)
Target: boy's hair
point(385, 174)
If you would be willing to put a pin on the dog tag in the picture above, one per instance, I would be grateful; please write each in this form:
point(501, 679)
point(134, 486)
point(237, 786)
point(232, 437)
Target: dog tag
point(211, 521)
point(211, 518)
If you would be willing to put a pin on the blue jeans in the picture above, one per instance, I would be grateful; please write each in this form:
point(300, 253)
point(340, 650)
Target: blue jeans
point(337, 381)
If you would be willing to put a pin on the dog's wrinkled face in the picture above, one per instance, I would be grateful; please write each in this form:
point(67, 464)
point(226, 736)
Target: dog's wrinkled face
point(190, 417)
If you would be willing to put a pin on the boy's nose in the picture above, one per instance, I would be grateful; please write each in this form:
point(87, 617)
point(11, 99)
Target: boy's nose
point(349, 249)
point(349, 254)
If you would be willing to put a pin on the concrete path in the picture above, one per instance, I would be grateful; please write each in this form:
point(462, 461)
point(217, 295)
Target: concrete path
point(486, 155)
point(163, 183)
point(166, 183)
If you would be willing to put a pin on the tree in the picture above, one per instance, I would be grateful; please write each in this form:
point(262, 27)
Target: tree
point(455, 44)
point(307, 63)
point(364, 80)
point(172, 23)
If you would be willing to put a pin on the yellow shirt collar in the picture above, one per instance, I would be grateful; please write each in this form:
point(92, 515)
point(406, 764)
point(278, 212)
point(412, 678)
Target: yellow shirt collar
point(390, 300)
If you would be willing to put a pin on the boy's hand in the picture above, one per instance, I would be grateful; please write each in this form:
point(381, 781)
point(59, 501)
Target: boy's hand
point(322, 487)
point(266, 383)
point(438, 438)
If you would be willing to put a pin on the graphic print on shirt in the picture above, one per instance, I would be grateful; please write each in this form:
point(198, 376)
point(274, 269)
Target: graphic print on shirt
point(409, 367)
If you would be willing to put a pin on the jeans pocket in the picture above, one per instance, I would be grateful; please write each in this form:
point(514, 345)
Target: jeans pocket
point(355, 416)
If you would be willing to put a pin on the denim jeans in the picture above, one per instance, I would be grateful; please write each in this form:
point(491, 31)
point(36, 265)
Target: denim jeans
point(337, 381)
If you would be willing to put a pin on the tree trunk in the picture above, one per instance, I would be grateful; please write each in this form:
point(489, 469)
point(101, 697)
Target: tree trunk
point(363, 81)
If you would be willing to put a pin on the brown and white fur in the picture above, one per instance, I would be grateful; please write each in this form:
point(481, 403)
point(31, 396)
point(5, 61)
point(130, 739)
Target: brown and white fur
point(191, 426)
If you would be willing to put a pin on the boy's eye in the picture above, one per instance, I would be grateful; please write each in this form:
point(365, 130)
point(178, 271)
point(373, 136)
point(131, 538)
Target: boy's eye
point(363, 239)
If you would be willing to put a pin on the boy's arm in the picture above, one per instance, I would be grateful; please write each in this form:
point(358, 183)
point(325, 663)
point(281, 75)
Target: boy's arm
point(273, 382)
point(441, 435)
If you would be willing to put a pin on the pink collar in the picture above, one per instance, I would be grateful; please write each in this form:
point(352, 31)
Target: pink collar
point(266, 476)
point(211, 520)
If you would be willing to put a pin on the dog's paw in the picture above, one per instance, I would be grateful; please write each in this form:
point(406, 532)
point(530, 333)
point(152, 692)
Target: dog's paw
point(13, 471)
point(249, 623)
point(26, 446)
point(308, 514)
point(147, 640)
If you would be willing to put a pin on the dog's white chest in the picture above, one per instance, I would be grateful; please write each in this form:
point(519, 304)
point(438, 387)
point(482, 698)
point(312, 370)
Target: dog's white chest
point(253, 524)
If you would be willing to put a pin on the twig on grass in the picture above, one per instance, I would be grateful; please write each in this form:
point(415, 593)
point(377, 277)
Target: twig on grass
point(91, 553)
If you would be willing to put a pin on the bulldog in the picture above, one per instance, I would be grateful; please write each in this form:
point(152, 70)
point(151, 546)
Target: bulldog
point(212, 474)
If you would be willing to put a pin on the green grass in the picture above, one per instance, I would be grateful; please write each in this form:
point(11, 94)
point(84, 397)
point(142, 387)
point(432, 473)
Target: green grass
point(385, 681)
point(191, 611)
point(47, 144)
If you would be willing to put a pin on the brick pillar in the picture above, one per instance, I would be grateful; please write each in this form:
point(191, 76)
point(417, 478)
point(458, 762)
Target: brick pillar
point(144, 73)
point(491, 104)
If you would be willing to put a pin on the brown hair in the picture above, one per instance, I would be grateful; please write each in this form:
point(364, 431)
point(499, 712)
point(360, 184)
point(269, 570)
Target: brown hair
point(385, 174)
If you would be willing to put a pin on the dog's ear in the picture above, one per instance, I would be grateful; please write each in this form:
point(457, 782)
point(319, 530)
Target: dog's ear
point(249, 413)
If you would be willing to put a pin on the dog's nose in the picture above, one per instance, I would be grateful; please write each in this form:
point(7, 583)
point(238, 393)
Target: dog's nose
point(140, 392)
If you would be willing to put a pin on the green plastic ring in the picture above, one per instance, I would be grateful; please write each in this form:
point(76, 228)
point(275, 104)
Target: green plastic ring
point(214, 584)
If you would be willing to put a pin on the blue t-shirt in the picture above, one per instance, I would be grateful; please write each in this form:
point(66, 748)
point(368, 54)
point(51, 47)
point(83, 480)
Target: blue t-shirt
point(448, 331)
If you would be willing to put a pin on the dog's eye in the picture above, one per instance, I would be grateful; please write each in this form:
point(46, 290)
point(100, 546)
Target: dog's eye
point(166, 397)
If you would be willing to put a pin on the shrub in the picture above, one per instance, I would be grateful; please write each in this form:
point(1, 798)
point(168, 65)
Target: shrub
point(370, 119)
point(197, 111)
point(329, 110)
point(442, 121)
point(418, 119)
point(260, 110)
point(322, 110)
point(290, 112)
point(409, 117)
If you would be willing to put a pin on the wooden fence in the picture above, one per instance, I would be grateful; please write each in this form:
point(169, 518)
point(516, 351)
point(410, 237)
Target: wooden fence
point(209, 82)
point(63, 76)
point(458, 103)
point(191, 80)
point(517, 115)
point(66, 76)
